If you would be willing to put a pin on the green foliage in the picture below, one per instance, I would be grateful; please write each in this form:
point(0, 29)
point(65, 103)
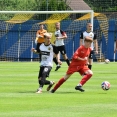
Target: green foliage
point(15, 5)
point(62, 6)
point(43, 6)
point(28, 5)
point(52, 5)
point(102, 5)
point(31, 5)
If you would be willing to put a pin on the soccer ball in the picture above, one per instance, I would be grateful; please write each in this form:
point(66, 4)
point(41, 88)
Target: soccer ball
point(107, 61)
point(105, 85)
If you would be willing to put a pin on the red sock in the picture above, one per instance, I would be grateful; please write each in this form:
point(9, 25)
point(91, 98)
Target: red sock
point(60, 82)
point(85, 79)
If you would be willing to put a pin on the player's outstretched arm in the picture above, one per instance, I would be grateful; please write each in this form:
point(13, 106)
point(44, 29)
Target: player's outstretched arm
point(34, 50)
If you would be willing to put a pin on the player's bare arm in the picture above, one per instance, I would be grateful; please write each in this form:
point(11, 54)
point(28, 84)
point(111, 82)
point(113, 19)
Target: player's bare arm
point(34, 50)
point(81, 39)
point(96, 46)
point(63, 37)
point(79, 58)
point(81, 42)
point(39, 36)
point(115, 47)
point(82, 59)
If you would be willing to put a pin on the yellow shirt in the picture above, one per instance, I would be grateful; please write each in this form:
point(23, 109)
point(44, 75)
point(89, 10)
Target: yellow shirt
point(41, 33)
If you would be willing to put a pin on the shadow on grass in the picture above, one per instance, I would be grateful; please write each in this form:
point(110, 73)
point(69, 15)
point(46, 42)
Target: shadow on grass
point(57, 92)
point(102, 93)
point(108, 73)
point(68, 92)
point(27, 92)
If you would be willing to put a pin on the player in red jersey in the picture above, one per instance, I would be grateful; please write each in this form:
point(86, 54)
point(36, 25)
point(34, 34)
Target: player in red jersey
point(78, 64)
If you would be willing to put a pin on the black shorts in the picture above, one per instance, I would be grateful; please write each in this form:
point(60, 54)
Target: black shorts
point(61, 49)
point(44, 70)
point(91, 54)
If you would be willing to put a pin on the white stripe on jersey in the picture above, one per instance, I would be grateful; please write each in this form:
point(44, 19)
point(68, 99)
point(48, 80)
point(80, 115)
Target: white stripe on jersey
point(46, 55)
point(59, 42)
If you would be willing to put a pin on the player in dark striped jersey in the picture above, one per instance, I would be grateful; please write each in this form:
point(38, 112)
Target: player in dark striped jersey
point(47, 50)
point(59, 43)
point(91, 34)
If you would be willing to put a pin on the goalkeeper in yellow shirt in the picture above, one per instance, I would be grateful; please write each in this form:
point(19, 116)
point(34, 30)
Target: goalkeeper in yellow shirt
point(40, 36)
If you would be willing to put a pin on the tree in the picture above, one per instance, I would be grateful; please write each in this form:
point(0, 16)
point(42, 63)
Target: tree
point(31, 5)
point(102, 5)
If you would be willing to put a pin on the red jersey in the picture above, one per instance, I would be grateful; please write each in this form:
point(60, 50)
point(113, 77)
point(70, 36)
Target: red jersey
point(81, 52)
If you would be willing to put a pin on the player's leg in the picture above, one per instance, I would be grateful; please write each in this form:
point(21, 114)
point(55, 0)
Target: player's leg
point(39, 90)
point(88, 74)
point(90, 59)
point(60, 82)
point(51, 83)
point(86, 77)
point(55, 60)
point(44, 73)
point(63, 52)
point(58, 65)
point(47, 82)
point(69, 72)
point(66, 59)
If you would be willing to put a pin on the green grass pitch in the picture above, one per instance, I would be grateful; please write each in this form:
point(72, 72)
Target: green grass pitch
point(18, 83)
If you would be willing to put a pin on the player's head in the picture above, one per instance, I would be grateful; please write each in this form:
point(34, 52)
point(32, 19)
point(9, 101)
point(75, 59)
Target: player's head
point(89, 26)
point(48, 37)
point(57, 25)
point(87, 42)
point(41, 26)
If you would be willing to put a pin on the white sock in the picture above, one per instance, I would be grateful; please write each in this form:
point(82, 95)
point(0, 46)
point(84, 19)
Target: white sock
point(51, 82)
point(79, 85)
point(40, 88)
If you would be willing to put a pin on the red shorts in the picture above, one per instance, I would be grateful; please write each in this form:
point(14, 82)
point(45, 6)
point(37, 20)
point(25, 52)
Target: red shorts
point(80, 69)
